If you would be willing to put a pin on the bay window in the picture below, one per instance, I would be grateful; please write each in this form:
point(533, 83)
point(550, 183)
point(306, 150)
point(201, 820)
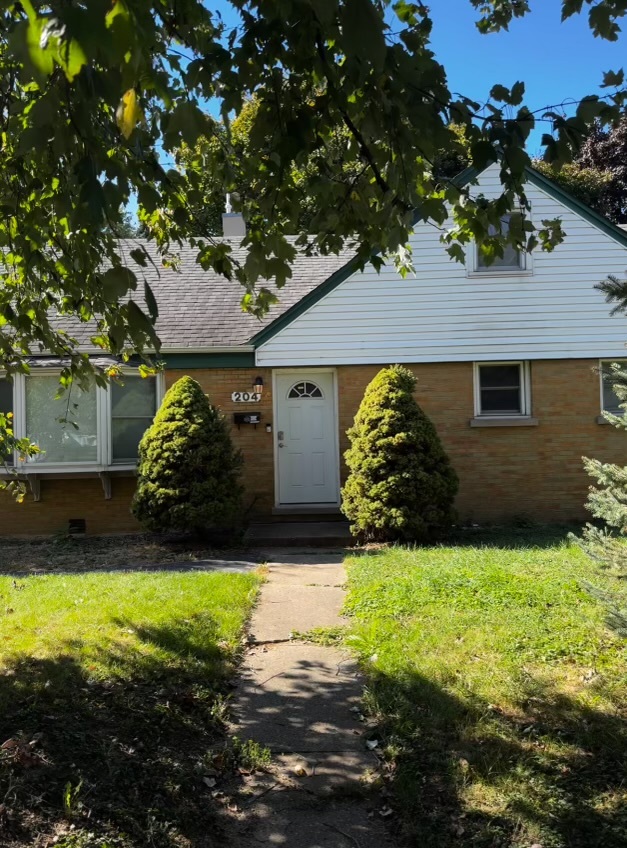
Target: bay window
point(82, 430)
point(133, 406)
point(65, 428)
point(6, 406)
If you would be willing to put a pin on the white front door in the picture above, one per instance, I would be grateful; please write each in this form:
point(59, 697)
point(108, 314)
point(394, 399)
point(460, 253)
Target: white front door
point(306, 438)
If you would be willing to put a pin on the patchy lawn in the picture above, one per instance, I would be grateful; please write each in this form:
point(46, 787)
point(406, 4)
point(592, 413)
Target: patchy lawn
point(93, 553)
point(112, 699)
point(500, 691)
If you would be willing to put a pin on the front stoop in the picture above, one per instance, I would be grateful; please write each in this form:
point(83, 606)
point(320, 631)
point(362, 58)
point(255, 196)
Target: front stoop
point(296, 533)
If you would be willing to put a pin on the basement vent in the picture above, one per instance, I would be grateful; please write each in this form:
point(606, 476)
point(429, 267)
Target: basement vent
point(77, 527)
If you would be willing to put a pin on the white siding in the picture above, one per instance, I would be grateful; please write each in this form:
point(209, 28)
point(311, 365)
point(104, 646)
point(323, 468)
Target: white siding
point(444, 315)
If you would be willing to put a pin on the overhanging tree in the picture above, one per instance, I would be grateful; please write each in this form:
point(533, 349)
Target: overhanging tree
point(97, 98)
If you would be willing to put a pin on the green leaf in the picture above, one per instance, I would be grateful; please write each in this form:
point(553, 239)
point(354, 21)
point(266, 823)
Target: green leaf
point(116, 282)
point(483, 154)
point(139, 255)
point(151, 303)
point(73, 58)
point(362, 32)
point(613, 79)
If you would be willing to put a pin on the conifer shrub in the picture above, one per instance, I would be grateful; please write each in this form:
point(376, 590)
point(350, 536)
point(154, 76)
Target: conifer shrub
point(400, 486)
point(188, 470)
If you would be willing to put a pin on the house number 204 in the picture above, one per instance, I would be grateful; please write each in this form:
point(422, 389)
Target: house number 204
point(246, 397)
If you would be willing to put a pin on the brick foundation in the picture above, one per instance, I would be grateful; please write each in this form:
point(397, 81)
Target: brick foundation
point(507, 472)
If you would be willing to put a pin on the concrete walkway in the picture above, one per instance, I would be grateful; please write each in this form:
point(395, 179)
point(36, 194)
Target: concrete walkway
point(301, 700)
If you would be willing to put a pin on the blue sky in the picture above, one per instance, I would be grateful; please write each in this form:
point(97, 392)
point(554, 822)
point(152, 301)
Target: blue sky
point(556, 61)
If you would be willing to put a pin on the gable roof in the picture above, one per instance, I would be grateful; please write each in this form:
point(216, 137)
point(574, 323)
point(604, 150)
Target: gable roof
point(537, 179)
point(200, 310)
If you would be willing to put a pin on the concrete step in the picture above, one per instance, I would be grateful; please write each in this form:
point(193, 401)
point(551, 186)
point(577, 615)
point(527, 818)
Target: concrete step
point(295, 533)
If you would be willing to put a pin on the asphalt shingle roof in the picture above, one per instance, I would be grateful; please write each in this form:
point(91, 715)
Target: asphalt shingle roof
point(201, 309)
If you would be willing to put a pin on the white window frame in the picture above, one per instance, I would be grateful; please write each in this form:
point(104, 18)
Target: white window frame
point(525, 390)
point(473, 269)
point(159, 392)
point(19, 397)
point(3, 375)
point(605, 363)
point(103, 460)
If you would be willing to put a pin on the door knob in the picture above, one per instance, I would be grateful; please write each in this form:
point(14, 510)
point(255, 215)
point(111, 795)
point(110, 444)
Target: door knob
point(281, 445)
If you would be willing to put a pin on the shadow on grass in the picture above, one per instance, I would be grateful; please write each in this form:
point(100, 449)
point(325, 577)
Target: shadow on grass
point(559, 765)
point(121, 759)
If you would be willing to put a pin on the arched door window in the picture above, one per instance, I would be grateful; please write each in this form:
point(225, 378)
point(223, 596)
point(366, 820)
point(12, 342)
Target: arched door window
point(304, 389)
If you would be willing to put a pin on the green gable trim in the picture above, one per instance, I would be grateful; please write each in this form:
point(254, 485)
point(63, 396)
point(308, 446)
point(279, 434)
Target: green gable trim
point(303, 305)
point(464, 178)
point(562, 196)
point(237, 359)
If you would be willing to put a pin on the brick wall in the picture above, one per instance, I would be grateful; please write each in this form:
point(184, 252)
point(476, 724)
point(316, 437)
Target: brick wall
point(62, 500)
point(255, 444)
point(534, 472)
point(506, 472)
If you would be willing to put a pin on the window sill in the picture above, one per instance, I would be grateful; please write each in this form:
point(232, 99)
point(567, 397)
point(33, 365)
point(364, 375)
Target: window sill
point(501, 272)
point(67, 470)
point(600, 419)
point(505, 421)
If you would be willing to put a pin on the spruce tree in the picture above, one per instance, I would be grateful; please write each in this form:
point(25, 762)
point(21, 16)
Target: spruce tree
point(400, 486)
point(607, 501)
point(188, 471)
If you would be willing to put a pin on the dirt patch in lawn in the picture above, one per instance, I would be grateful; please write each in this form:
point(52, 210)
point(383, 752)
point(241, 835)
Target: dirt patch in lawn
point(95, 553)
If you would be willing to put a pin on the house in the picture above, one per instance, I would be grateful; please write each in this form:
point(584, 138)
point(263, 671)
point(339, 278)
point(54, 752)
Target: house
point(507, 359)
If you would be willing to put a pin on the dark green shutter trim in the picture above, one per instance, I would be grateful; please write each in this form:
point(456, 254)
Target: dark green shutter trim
point(237, 359)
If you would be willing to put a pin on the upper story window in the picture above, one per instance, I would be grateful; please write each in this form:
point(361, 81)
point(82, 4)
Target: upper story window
point(610, 402)
point(512, 260)
point(502, 389)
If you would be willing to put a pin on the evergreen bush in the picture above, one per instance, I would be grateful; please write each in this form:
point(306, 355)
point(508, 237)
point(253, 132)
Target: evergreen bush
point(401, 486)
point(607, 501)
point(188, 470)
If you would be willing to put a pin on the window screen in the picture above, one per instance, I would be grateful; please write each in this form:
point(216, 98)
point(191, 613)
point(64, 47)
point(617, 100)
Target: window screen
point(72, 440)
point(511, 257)
point(6, 405)
point(133, 406)
point(500, 389)
point(611, 401)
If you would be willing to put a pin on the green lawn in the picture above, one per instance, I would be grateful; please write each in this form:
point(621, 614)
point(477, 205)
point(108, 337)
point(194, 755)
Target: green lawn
point(112, 692)
point(500, 690)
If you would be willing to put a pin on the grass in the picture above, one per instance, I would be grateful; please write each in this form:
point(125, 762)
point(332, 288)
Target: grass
point(113, 692)
point(93, 553)
point(500, 691)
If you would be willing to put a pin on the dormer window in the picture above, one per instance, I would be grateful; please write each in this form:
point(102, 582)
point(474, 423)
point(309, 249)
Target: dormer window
point(512, 261)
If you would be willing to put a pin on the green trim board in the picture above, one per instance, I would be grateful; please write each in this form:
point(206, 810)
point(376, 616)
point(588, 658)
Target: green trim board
point(184, 361)
point(462, 179)
point(303, 305)
point(562, 196)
